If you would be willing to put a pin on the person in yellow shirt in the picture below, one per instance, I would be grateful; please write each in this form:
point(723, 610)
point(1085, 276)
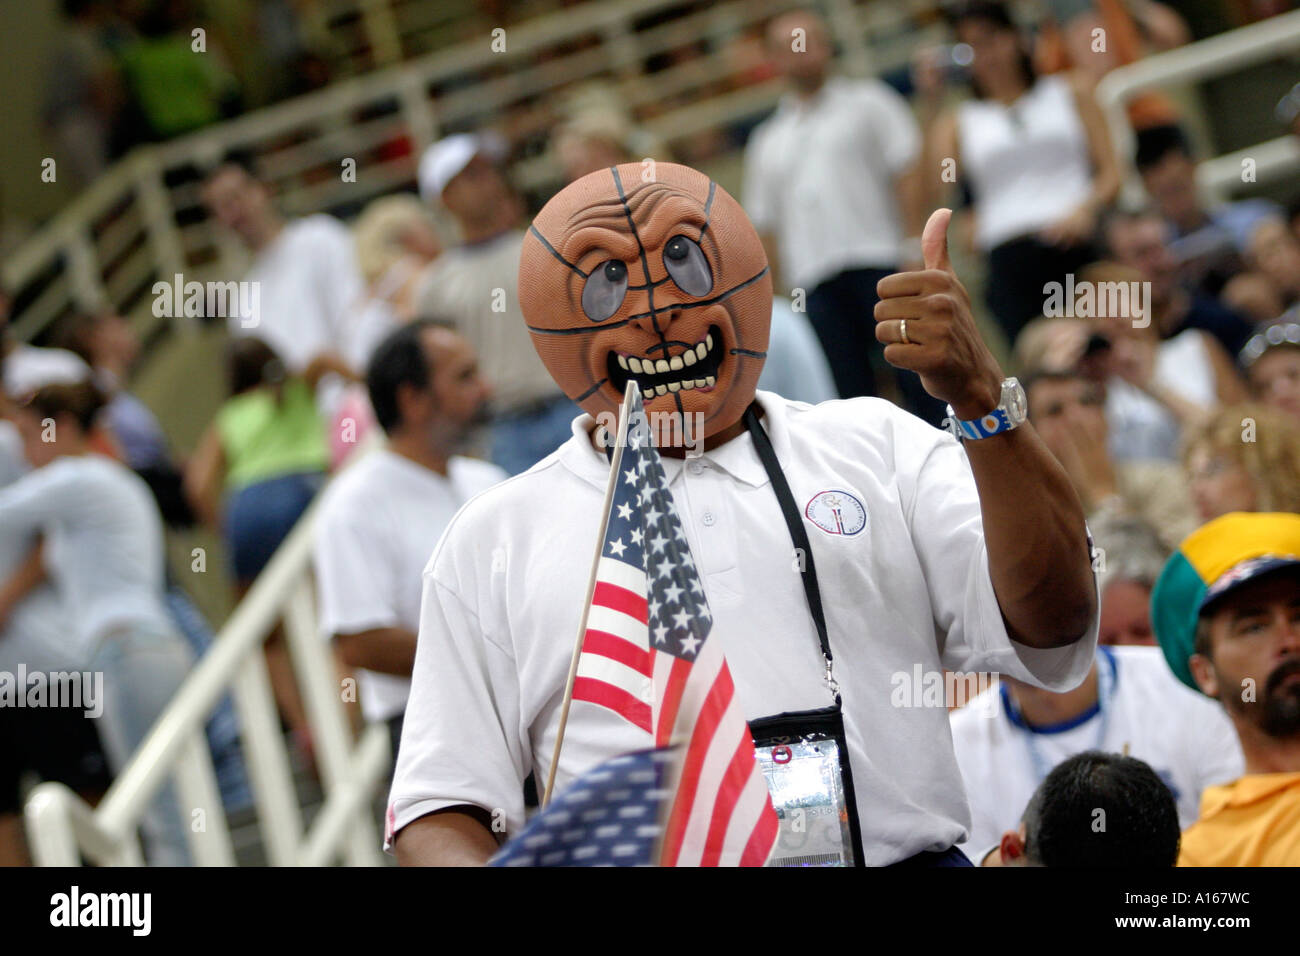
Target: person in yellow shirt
point(1226, 611)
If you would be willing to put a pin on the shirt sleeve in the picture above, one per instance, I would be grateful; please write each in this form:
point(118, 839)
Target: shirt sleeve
point(36, 499)
point(356, 580)
point(948, 534)
point(896, 128)
point(460, 739)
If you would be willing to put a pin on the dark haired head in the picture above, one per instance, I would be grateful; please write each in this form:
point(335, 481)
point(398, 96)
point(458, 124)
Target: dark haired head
point(1102, 810)
point(1156, 142)
point(399, 360)
point(81, 400)
point(75, 332)
point(998, 16)
point(251, 362)
point(239, 158)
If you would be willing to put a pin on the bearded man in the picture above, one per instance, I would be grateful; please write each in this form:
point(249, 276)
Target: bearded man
point(931, 552)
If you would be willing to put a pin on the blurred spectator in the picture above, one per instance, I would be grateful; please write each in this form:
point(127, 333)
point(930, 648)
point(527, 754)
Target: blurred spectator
point(104, 552)
point(1208, 242)
point(1274, 252)
point(266, 456)
point(26, 368)
point(1067, 411)
point(1127, 572)
point(598, 137)
point(1059, 826)
point(830, 217)
point(1131, 28)
point(53, 743)
point(1227, 615)
point(1034, 152)
point(475, 284)
point(380, 520)
point(1137, 239)
point(1272, 362)
point(796, 366)
point(1244, 458)
point(108, 344)
point(174, 87)
point(83, 92)
point(396, 240)
point(1130, 703)
point(305, 270)
point(1187, 374)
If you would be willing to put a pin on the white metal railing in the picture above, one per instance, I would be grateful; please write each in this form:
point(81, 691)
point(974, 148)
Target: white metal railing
point(62, 829)
point(1215, 56)
point(142, 221)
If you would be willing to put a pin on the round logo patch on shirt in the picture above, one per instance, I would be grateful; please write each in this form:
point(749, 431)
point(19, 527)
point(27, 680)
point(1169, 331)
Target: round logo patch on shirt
point(836, 512)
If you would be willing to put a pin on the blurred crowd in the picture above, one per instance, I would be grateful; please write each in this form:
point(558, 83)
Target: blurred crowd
point(1171, 400)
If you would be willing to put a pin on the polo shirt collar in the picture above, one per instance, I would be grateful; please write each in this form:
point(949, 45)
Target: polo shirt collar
point(738, 457)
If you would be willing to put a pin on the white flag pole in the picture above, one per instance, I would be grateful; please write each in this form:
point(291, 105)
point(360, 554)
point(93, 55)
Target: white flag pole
point(619, 443)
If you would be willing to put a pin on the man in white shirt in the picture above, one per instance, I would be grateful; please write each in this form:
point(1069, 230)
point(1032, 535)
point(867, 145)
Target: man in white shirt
point(380, 519)
point(305, 269)
point(1010, 737)
point(827, 177)
point(922, 564)
point(474, 284)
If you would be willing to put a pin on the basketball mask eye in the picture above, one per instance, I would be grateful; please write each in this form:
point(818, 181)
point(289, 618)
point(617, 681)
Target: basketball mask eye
point(604, 291)
point(686, 264)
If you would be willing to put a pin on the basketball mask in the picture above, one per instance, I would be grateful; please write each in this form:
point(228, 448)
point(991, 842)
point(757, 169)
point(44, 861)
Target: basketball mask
point(649, 272)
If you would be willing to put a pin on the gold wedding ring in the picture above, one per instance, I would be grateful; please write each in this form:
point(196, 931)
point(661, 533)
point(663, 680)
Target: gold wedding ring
point(902, 327)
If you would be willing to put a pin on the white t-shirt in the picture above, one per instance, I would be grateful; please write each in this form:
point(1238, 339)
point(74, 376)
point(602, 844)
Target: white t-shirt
point(905, 584)
point(1185, 737)
point(103, 544)
point(377, 525)
point(35, 632)
point(820, 176)
point(308, 285)
point(27, 368)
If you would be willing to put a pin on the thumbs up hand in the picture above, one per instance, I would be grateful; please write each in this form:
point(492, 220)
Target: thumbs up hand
point(924, 319)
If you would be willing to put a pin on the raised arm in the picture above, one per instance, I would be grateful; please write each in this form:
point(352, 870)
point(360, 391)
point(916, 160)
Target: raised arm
point(1033, 522)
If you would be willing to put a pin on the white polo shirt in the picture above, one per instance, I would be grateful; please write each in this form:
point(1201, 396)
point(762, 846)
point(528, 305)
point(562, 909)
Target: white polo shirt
point(1185, 737)
point(377, 525)
point(820, 176)
point(904, 578)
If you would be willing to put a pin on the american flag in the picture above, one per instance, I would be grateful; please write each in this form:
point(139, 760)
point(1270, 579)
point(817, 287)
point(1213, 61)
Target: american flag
point(610, 816)
point(646, 654)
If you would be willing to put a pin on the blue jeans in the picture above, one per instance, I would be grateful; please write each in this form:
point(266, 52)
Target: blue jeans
point(142, 670)
point(520, 441)
point(260, 516)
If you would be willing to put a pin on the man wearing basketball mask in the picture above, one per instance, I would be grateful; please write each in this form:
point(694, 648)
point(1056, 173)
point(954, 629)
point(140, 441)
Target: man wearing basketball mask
point(925, 557)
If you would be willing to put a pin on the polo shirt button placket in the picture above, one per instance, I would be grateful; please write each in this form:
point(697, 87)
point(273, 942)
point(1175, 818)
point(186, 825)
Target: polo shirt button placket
point(709, 519)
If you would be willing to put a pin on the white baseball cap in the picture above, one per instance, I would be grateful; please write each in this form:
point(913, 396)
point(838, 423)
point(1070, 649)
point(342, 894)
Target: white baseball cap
point(444, 160)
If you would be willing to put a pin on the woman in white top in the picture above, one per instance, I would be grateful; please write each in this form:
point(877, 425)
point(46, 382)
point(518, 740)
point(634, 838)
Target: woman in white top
point(1034, 153)
point(103, 552)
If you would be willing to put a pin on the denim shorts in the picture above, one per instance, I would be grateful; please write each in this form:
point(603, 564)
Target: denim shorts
point(258, 517)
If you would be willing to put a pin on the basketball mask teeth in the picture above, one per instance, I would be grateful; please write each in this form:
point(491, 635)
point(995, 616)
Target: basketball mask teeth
point(694, 367)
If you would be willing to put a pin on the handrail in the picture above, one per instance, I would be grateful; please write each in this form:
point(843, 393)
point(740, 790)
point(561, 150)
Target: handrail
point(62, 827)
point(1207, 58)
point(65, 269)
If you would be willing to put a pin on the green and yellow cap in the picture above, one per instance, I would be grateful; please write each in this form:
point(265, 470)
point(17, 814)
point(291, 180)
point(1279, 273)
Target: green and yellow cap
point(1216, 558)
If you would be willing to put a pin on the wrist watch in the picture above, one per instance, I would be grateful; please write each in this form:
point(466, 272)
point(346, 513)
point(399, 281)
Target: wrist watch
point(1011, 412)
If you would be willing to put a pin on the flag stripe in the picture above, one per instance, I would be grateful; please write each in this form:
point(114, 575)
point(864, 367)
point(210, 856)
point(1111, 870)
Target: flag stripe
point(607, 695)
point(620, 599)
point(734, 777)
point(752, 808)
point(618, 676)
point(759, 848)
point(670, 680)
point(714, 706)
point(615, 648)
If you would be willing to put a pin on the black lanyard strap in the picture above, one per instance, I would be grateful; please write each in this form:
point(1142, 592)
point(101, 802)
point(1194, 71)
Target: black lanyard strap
point(799, 535)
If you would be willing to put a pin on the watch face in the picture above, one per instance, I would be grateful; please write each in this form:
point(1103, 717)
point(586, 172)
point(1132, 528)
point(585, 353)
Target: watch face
point(1013, 399)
